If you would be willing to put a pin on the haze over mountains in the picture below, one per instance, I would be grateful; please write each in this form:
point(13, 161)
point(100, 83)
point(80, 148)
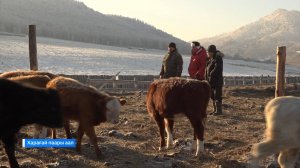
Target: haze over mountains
point(258, 40)
point(72, 20)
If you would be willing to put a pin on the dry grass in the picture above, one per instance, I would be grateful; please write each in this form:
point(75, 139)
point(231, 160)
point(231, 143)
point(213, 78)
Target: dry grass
point(228, 138)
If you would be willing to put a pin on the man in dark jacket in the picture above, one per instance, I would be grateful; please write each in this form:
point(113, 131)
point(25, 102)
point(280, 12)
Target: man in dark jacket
point(214, 75)
point(198, 61)
point(172, 63)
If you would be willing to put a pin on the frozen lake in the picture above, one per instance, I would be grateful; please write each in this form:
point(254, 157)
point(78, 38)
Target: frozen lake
point(67, 57)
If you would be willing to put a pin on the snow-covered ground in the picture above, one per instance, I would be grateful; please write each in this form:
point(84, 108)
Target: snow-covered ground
point(66, 57)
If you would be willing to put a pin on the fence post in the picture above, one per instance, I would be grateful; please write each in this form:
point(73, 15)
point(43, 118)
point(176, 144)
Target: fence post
point(260, 80)
point(234, 81)
point(114, 84)
point(135, 82)
point(280, 71)
point(32, 48)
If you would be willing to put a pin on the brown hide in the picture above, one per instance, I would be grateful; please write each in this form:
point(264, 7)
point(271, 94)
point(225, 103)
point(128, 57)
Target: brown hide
point(34, 80)
point(83, 104)
point(168, 97)
point(80, 101)
point(12, 74)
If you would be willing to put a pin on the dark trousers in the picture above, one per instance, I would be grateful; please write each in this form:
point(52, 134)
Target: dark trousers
point(216, 93)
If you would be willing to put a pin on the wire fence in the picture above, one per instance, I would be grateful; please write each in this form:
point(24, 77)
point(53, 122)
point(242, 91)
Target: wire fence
point(142, 82)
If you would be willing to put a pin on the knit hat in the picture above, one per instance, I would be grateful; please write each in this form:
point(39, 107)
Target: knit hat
point(212, 49)
point(195, 44)
point(172, 45)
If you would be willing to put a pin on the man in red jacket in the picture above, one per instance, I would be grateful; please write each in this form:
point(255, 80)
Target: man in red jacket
point(198, 61)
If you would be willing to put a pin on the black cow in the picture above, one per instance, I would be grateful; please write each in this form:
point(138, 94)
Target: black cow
point(21, 105)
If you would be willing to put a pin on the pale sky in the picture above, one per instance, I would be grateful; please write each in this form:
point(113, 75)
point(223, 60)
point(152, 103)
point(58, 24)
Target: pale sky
point(193, 19)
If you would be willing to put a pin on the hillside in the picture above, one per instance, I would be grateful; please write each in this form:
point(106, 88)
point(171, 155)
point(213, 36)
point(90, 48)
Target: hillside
point(69, 57)
point(73, 20)
point(258, 40)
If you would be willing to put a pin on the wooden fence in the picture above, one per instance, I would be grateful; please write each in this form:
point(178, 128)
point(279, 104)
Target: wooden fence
point(142, 82)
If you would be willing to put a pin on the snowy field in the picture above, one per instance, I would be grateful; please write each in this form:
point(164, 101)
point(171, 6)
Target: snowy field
point(66, 57)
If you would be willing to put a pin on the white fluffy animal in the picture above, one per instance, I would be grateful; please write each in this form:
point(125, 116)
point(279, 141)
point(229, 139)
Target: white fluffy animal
point(282, 132)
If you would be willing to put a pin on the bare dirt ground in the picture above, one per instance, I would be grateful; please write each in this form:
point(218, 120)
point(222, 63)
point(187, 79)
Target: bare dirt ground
point(135, 140)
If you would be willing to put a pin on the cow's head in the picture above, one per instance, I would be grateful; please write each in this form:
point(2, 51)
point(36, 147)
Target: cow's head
point(113, 108)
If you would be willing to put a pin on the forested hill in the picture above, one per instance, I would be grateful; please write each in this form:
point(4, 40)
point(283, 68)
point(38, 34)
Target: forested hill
point(73, 20)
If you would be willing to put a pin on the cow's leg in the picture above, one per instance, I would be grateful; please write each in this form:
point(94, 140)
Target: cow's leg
point(67, 129)
point(194, 143)
point(198, 126)
point(53, 133)
point(79, 138)
point(200, 138)
point(90, 132)
point(161, 126)
point(169, 124)
point(9, 145)
point(287, 158)
point(264, 149)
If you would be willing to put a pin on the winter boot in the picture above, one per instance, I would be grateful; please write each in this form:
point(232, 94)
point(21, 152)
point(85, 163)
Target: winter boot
point(219, 109)
point(215, 108)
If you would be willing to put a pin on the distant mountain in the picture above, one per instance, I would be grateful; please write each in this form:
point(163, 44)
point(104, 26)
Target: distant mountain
point(73, 20)
point(258, 40)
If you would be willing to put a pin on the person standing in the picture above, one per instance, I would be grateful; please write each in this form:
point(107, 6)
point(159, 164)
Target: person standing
point(214, 75)
point(172, 63)
point(198, 61)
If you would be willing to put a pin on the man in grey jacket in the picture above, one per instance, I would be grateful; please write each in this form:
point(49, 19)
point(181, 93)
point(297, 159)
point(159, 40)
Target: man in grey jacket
point(172, 63)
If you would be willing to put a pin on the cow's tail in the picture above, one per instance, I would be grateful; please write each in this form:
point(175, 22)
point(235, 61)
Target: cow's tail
point(207, 90)
point(149, 99)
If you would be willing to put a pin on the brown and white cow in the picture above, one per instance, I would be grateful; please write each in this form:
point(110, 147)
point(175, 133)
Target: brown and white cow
point(85, 105)
point(168, 97)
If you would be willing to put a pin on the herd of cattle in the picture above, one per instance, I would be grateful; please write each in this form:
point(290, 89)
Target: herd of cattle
point(45, 99)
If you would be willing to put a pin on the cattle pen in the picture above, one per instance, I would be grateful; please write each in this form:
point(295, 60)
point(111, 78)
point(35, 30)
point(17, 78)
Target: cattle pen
point(133, 142)
point(142, 82)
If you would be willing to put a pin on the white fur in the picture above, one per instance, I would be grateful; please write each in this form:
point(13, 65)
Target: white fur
point(162, 148)
point(194, 145)
point(113, 110)
point(282, 132)
point(200, 147)
point(169, 137)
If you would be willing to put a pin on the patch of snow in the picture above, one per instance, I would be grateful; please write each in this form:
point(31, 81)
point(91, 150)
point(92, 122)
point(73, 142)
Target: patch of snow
point(67, 57)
